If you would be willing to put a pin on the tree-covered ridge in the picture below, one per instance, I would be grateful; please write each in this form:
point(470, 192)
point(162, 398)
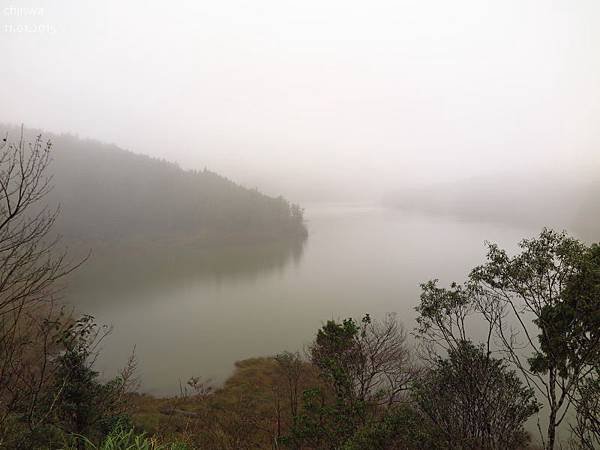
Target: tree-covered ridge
point(107, 192)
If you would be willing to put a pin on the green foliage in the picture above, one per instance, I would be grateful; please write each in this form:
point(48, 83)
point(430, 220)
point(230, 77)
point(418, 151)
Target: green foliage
point(575, 332)
point(474, 401)
point(127, 439)
point(71, 401)
point(333, 425)
point(85, 406)
point(442, 313)
point(559, 278)
point(400, 428)
point(364, 368)
point(586, 429)
point(335, 353)
point(323, 423)
point(544, 300)
point(556, 281)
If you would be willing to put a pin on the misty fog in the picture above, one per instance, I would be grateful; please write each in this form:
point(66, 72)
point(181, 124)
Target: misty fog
point(316, 101)
point(198, 192)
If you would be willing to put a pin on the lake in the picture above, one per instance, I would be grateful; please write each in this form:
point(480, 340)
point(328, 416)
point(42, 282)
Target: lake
point(195, 311)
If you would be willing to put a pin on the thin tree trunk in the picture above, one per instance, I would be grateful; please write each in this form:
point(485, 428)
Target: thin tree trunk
point(551, 431)
point(552, 418)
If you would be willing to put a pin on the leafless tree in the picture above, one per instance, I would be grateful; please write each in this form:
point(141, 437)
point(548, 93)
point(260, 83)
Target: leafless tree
point(26, 371)
point(370, 362)
point(198, 386)
point(384, 367)
point(291, 365)
point(31, 267)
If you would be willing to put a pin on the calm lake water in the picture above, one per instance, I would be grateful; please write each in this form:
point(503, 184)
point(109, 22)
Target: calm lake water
point(195, 311)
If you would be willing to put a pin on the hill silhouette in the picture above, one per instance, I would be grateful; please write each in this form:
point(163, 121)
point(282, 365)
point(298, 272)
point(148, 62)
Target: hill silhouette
point(107, 193)
point(562, 201)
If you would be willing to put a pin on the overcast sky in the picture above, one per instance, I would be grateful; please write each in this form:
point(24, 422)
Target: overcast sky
point(308, 98)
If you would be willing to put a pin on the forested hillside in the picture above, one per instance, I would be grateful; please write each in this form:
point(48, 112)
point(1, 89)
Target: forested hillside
point(106, 192)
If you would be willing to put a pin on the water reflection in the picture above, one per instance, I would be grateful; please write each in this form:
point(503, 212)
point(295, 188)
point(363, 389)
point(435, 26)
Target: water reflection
point(193, 310)
point(144, 267)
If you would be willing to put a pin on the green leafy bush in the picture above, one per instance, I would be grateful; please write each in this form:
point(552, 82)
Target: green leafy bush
point(123, 439)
